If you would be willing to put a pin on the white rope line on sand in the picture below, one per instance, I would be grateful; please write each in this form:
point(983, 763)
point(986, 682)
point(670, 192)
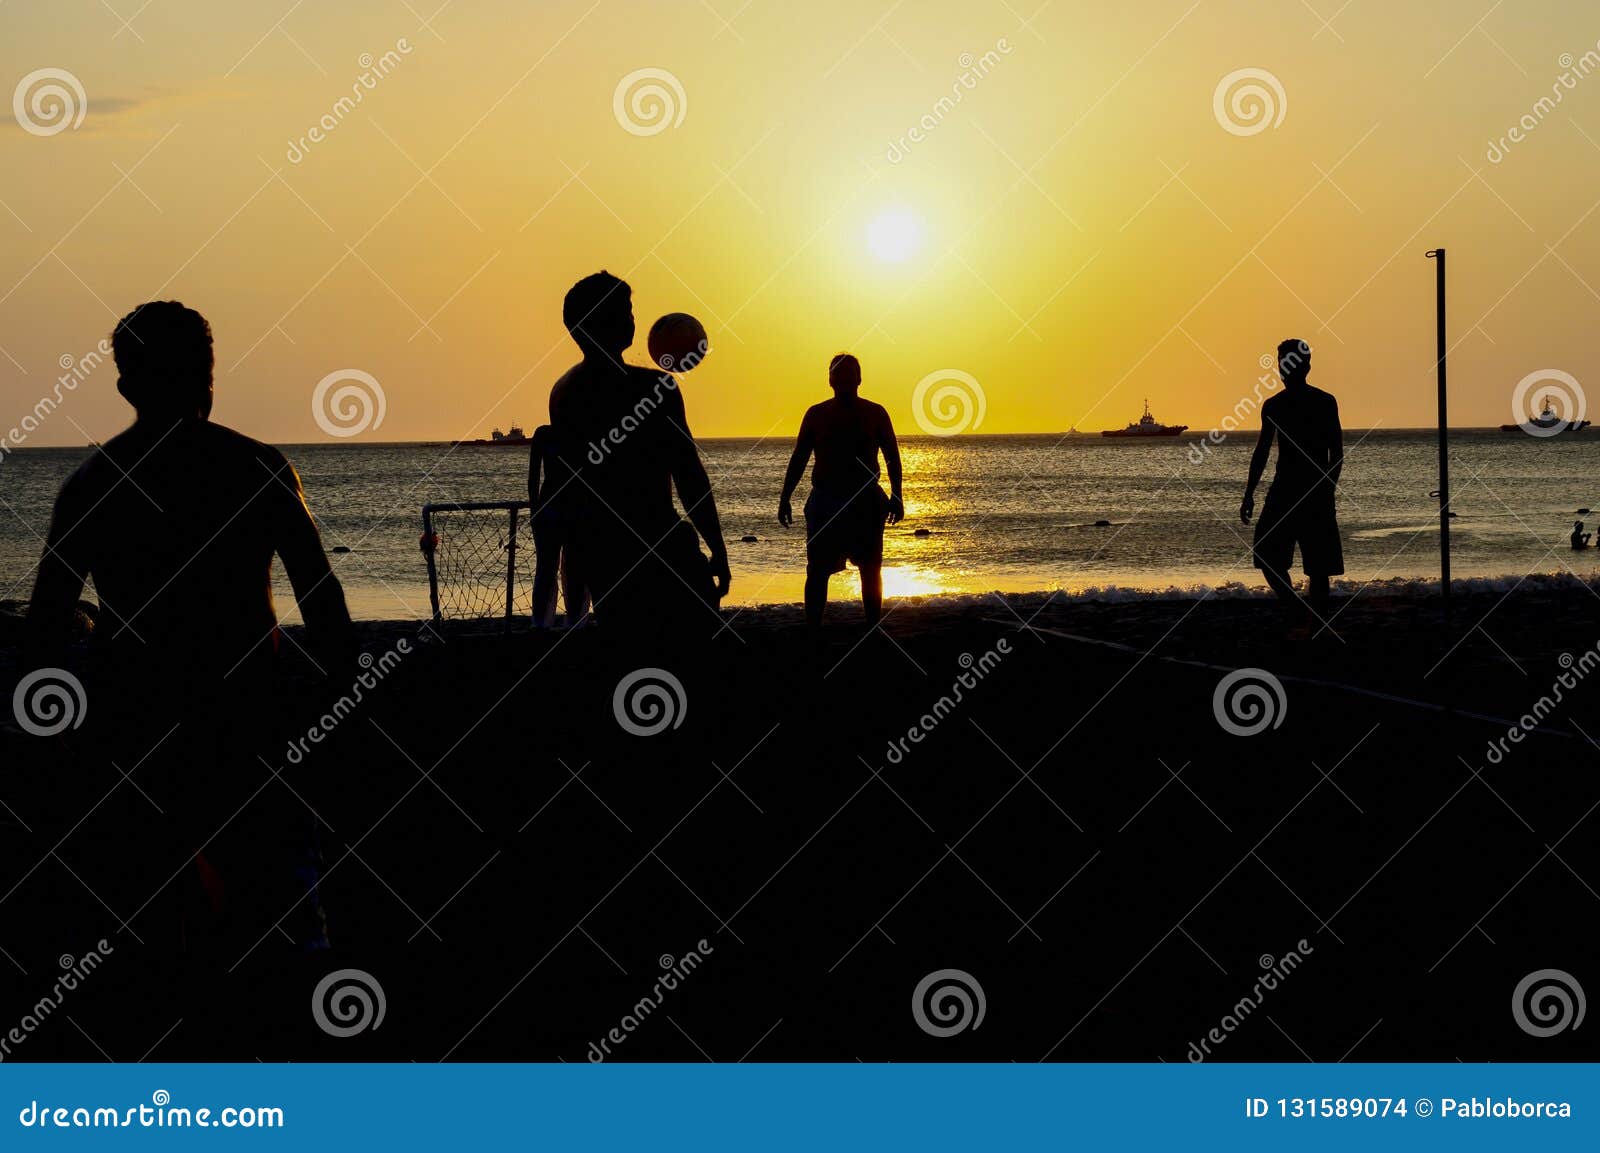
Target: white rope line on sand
point(1316, 681)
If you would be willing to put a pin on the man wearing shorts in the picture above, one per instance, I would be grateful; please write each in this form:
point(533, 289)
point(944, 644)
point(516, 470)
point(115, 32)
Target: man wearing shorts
point(1299, 508)
point(846, 510)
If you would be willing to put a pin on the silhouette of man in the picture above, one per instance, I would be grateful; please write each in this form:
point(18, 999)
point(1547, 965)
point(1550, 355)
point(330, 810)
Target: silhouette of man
point(1580, 539)
point(1299, 508)
point(846, 510)
point(549, 491)
point(624, 437)
point(176, 520)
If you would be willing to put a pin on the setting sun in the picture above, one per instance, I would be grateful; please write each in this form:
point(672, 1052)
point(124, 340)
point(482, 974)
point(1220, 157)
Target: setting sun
point(894, 235)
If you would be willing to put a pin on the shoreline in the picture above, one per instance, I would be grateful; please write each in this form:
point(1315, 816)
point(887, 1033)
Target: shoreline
point(1193, 432)
point(842, 603)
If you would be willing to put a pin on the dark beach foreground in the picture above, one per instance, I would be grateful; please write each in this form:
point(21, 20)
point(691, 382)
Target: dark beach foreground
point(1037, 792)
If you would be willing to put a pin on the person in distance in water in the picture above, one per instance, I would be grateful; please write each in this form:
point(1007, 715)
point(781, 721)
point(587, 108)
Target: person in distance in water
point(847, 509)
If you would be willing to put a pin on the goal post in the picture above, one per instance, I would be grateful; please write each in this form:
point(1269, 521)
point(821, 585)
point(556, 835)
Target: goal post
point(479, 556)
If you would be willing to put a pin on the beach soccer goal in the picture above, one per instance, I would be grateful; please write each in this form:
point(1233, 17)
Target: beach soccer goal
point(480, 559)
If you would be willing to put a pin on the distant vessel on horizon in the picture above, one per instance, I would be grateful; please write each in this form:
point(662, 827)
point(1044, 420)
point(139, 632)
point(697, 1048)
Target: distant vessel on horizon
point(516, 438)
point(1547, 420)
point(1146, 425)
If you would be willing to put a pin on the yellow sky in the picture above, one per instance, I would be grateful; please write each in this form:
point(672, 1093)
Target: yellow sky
point(1089, 232)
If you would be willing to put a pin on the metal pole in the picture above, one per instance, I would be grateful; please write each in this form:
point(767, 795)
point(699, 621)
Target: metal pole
point(1444, 442)
point(428, 550)
point(511, 568)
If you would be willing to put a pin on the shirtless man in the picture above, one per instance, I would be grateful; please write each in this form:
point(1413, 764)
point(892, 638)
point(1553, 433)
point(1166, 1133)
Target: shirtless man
point(626, 448)
point(176, 521)
point(846, 510)
point(1300, 504)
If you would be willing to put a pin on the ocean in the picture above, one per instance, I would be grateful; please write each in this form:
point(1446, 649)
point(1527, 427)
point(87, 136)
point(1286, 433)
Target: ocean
point(1006, 513)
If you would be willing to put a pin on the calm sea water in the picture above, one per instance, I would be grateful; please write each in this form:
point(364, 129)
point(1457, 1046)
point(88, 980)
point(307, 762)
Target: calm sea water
point(1012, 513)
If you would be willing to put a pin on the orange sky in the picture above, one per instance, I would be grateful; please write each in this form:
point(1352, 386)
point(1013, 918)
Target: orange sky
point(1080, 230)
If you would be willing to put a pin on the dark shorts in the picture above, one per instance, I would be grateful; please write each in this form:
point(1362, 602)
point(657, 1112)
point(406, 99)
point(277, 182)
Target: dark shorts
point(840, 529)
point(1309, 521)
point(661, 583)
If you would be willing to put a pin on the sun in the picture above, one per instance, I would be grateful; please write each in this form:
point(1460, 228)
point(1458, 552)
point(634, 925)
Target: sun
point(894, 235)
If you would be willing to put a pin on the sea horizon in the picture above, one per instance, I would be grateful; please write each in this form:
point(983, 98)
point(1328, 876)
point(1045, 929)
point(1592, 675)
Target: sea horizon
point(986, 512)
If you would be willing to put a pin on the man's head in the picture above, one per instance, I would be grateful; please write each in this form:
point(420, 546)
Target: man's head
point(1294, 361)
point(844, 373)
point(598, 312)
point(164, 360)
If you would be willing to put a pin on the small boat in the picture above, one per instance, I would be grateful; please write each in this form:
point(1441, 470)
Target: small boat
point(1146, 425)
point(516, 438)
point(1548, 421)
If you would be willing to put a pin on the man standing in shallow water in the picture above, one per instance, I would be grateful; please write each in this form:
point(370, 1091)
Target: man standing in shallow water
point(846, 510)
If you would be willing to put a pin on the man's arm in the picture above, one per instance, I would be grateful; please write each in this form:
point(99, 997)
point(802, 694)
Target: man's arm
point(891, 461)
point(59, 582)
point(1258, 465)
point(316, 590)
point(804, 442)
point(694, 490)
point(1336, 448)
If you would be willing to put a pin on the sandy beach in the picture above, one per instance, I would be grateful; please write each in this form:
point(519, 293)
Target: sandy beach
point(518, 864)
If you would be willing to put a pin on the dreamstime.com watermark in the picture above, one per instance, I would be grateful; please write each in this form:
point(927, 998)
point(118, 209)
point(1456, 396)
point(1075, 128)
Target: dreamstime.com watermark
point(375, 670)
point(1248, 101)
point(976, 670)
point(1268, 382)
point(347, 1002)
point(649, 701)
point(973, 69)
point(648, 101)
point(49, 100)
point(1249, 701)
point(1572, 71)
point(1547, 1002)
point(76, 970)
point(373, 69)
point(948, 402)
point(1531, 406)
point(159, 1114)
point(642, 408)
point(1576, 669)
point(347, 402)
point(1277, 970)
point(677, 970)
point(78, 370)
point(947, 1002)
point(48, 702)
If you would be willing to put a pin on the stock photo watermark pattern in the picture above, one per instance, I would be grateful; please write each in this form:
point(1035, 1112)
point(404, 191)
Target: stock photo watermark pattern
point(948, 402)
point(1547, 1002)
point(1573, 70)
point(75, 970)
point(1531, 406)
point(947, 1002)
point(649, 101)
point(347, 1002)
point(348, 402)
point(373, 69)
point(1277, 970)
point(973, 69)
point(1050, 613)
point(1249, 101)
point(676, 970)
point(1248, 702)
point(48, 101)
point(649, 701)
point(48, 702)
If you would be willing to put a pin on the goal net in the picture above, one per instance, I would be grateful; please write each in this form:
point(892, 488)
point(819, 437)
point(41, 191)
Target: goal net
point(480, 559)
